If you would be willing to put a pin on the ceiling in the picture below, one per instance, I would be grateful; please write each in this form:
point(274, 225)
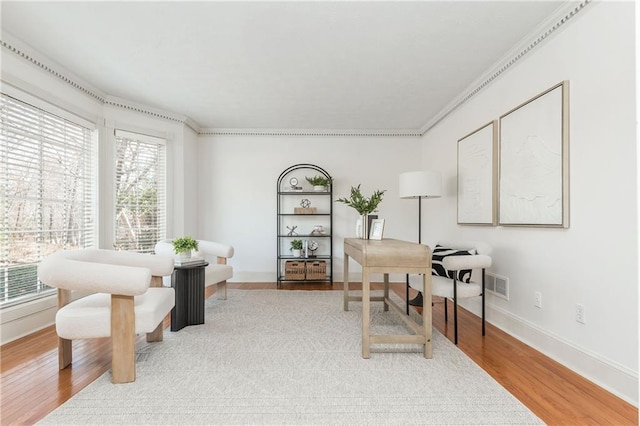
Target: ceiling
point(280, 65)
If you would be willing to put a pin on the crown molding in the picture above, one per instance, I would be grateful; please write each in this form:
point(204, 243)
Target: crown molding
point(531, 41)
point(143, 109)
point(310, 132)
point(15, 46)
point(525, 46)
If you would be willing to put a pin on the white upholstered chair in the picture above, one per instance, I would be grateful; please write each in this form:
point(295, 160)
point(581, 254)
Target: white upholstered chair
point(121, 306)
point(218, 271)
point(452, 265)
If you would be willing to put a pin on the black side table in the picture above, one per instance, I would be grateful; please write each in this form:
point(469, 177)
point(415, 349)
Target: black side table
point(188, 283)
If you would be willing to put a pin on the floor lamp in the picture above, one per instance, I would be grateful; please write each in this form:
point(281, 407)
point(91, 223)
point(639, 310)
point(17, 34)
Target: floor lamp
point(422, 184)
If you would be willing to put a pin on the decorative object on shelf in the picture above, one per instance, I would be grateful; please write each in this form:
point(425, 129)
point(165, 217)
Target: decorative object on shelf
point(364, 206)
point(292, 231)
point(312, 246)
point(318, 230)
point(183, 246)
point(316, 270)
point(294, 270)
point(296, 248)
point(377, 227)
point(293, 181)
point(319, 183)
point(305, 207)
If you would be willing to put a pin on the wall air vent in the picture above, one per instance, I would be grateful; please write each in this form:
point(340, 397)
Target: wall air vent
point(497, 285)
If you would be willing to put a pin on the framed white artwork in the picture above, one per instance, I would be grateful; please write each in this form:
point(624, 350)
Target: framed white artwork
point(477, 176)
point(534, 161)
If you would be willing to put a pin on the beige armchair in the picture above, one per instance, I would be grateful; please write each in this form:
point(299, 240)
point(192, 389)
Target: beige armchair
point(121, 306)
point(217, 272)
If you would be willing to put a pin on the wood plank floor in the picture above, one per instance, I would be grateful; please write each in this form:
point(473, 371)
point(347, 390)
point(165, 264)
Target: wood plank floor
point(32, 386)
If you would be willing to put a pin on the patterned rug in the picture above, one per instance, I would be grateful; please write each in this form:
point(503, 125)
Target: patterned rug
point(294, 357)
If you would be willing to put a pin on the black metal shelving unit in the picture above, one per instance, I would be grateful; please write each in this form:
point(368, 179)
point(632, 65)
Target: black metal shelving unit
point(288, 200)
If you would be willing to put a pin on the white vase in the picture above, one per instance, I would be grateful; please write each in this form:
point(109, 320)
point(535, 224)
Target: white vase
point(320, 188)
point(296, 252)
point(361, 227)
point(185, 255)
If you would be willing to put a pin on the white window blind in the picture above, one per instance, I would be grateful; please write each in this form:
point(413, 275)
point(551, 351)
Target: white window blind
point(140, 192)
point(47, 186)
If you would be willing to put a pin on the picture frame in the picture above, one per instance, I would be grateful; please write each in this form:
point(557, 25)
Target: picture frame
point(377, 229)
point(534, 161)
point(477, 176)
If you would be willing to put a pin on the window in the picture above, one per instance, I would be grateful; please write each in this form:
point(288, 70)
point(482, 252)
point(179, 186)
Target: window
point(47, 187)
point(140, 192)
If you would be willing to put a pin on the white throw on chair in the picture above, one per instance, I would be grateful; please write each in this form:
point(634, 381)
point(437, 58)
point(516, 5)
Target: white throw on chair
point(218, 272)
point(452, 265)
point(122, 305)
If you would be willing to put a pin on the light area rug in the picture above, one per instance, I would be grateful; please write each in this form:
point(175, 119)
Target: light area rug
point(294, 357)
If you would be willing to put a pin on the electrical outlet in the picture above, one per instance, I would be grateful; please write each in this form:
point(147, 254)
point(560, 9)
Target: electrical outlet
point(538, 299)
point(580, 313)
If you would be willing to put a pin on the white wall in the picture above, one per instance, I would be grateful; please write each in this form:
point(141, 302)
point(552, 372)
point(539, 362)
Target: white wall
point(238, 176)
point(595, 261)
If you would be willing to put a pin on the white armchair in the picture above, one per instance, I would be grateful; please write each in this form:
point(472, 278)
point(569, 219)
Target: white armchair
point(218, 272)
point(123, 304)
point(452, 267)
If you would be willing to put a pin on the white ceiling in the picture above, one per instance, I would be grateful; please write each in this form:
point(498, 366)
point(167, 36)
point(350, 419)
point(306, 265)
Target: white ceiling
point(280, 65)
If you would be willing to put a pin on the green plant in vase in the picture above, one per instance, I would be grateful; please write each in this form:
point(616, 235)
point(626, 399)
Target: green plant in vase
point(184, 245)
point(363, 205)
point(319, 183)
point(296, 247)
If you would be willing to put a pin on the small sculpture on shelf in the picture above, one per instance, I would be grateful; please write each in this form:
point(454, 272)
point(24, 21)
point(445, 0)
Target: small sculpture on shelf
point(318, 230)
point(305, 207)
point(292, 231)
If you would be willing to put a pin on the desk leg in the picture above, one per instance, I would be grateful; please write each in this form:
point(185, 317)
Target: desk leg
point(386, 291)
point(366, 302)
point(426, 315)
point(346, 282)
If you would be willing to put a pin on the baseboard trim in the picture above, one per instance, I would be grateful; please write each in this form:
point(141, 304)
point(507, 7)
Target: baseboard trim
point(615, 378)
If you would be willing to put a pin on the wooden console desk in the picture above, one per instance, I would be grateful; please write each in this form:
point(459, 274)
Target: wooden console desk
point(390, 256)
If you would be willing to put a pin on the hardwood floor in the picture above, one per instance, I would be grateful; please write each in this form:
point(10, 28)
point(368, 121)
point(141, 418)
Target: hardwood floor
point(32, 386)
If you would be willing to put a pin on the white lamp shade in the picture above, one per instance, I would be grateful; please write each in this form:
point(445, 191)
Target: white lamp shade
point(426, 184)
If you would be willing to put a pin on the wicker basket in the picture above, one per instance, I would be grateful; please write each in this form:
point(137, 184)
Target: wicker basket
point(293, 270)
point(317, 270)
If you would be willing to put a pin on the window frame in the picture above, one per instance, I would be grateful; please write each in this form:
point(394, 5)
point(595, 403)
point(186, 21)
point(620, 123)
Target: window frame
point(59, 122)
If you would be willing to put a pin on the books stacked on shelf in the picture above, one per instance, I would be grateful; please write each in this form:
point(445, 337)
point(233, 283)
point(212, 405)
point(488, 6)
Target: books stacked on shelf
point(191, 261)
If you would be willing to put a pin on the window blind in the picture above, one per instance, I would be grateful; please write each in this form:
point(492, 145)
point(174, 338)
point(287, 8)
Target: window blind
point(140, 220)
point(48, 190)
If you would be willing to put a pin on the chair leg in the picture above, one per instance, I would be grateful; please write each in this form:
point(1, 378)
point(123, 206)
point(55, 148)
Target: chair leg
point(65, 350)
point(446, 316)
point(483, 291)
point(455, 310)
point(123, 343)
point(407, 294)
point(156, 335)
point(222, 290)
point(65, 353)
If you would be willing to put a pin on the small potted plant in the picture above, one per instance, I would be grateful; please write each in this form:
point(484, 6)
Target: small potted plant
point(364, 206)
point(183, 246)
point(296, 247)
point(320, 183)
